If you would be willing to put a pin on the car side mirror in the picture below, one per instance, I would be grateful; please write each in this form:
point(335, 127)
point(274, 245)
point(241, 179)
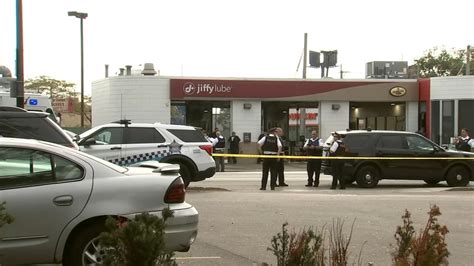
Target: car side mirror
point(445, 146)
point(76, 138)
point(89, 142)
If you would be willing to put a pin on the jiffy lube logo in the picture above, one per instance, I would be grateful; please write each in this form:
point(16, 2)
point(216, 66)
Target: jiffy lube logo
point(205, 88)
point(189, 88)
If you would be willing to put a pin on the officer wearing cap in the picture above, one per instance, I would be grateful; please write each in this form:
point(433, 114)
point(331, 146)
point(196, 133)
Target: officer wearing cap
point(269, 145)
point(337, 149)
point(281, 162)
point(219, 147)
point(313, 147)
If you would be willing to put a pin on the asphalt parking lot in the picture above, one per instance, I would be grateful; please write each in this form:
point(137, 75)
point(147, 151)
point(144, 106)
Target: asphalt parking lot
point(237, 220)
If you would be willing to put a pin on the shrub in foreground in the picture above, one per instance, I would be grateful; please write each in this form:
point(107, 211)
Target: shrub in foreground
point(137, 242)
point(312, 248)
point(428, 247)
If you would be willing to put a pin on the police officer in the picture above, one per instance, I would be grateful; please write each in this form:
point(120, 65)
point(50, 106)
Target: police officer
point(269, 145)
point(281, 162)
point(313, 147)
point(219, 147)
point(234, 148)
point(337, 149)
point(464, 142)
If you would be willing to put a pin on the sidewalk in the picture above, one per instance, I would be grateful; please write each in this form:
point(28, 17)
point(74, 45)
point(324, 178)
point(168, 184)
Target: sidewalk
point(251, 165)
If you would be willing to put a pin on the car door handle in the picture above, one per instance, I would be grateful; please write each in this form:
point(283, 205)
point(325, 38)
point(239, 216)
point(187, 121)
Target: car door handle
point(65, 200)
point(162, 146)
point(116, 148)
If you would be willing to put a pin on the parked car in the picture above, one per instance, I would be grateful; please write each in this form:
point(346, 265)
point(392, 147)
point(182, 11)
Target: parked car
point(125, 143)
point(19, 123)
point(61, 197)
point(367, 172)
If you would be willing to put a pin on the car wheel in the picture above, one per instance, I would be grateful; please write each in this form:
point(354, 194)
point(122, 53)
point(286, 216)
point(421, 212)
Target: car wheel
point(458, 176)
point(431, 181)
point(85, 248)
point(368, 176)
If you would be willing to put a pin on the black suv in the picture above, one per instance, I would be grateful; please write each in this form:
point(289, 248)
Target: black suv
point(19, 123)
point(368, 171)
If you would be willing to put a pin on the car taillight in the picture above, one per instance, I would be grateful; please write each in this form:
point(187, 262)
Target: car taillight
point(176, 192)
point(207, 148)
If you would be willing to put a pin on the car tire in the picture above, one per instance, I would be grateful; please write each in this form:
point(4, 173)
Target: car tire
point(368, 176)
point(458, 176)
point(85, 242)
point(431, 181)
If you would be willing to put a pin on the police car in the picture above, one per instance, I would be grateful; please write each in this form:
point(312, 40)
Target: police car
point(454, 167)
point(125, 143)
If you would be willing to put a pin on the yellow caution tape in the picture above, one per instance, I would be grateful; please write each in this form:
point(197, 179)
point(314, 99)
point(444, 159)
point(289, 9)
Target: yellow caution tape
point(337, 158)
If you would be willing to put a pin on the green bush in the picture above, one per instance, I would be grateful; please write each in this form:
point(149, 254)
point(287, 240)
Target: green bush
point(428, 247)
point(139, 242)
point(311, 247)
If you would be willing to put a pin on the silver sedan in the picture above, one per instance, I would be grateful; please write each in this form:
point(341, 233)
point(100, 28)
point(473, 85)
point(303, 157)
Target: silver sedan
point(60, 198)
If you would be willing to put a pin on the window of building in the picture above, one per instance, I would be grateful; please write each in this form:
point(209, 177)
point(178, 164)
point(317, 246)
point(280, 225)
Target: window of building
point(447, 121)
point(435, 115)
point(465, 120)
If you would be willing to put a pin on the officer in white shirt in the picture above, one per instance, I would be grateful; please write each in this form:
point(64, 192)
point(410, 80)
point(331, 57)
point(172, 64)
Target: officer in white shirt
point(337, 150)
point(219, 147)
point(464, 142)
point(313, 147)
point(269, 145)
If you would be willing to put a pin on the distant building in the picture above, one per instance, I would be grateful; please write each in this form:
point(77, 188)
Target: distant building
point(413, 72)
point(386, 70)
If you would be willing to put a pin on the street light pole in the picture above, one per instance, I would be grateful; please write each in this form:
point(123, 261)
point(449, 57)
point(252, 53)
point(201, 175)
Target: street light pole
point(81, 17)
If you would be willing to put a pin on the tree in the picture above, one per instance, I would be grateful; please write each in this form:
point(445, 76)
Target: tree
point(440, 63)
point(55, 88)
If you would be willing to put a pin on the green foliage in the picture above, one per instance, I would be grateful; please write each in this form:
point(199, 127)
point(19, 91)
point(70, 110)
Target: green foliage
point(440, 62)
point(309, 247)
point(5, 218)
point(139, 242)
point(58, 90)
point(55, 88)
point(426, 248)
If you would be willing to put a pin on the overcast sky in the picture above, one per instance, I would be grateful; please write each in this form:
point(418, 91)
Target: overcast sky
point(244, 38)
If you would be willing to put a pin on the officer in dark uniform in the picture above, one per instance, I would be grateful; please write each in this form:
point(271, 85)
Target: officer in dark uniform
point(313, 147)
point(337, 149)
point(281, 162)
point(269, 145)
point(219, 147)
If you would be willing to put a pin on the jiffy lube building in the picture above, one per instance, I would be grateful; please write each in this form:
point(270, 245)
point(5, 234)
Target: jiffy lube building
point(252, 106)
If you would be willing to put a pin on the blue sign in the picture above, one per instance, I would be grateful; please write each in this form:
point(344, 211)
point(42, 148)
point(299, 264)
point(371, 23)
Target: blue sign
point(33, 101)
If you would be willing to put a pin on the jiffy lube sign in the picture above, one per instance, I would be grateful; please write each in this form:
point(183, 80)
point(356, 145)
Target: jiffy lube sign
point(205, 89)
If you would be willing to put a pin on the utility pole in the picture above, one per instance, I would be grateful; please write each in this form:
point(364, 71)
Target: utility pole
point(20, 92)
point(305, 52)
point(323, 64)
point(468, 60)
